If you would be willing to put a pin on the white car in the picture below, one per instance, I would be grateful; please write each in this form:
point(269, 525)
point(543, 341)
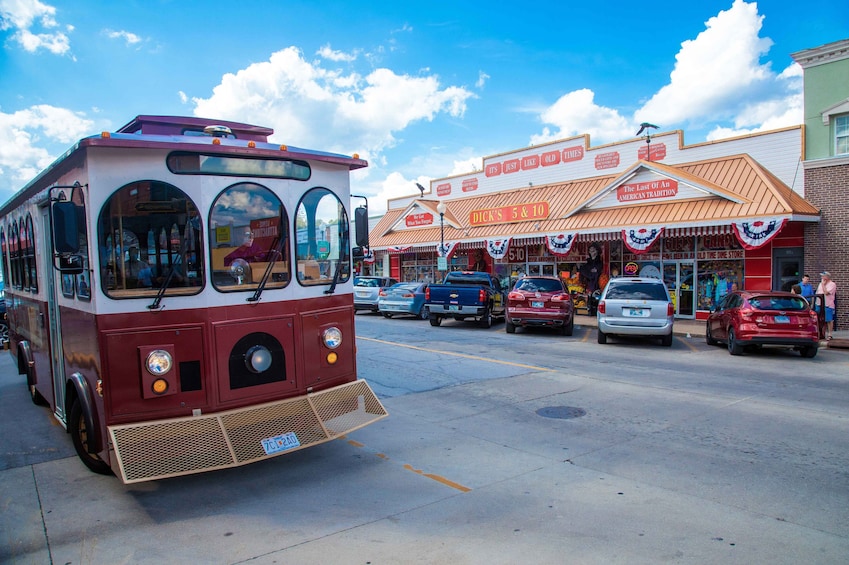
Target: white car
point(367, 291)
point(634, 306)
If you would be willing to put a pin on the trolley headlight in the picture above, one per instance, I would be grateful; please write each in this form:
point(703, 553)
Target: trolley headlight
point(159, 362)
point(258, 359)
point(332, 337)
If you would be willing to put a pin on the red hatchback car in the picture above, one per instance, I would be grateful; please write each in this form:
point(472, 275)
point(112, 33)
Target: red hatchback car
point(752, 318)
point(540, 302)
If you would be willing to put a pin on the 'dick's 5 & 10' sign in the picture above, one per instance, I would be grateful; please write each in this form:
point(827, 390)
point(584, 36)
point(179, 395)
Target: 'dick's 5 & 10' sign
point(509, 214)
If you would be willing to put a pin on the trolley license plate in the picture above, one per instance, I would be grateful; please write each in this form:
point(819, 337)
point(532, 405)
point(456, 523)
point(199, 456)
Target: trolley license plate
point(782, 319)
point(637, 312)
point(280, 443)
point(536, 304)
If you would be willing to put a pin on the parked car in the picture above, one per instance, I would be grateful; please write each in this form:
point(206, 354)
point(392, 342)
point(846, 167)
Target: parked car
point(540, 302)
point(758, 318)
point(635, 306)
point(403, 298)
point(466, 295)
point(367, 291)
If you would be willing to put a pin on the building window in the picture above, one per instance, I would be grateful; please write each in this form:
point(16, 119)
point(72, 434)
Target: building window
point(841, 135)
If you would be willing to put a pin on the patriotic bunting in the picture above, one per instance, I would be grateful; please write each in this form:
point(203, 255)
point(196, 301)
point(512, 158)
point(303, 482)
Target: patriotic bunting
point(755, 233)
point(368, 257)
point(398, 248)
point(638, 240)
point(446, 249)
point(561, 243)
point(497, 248)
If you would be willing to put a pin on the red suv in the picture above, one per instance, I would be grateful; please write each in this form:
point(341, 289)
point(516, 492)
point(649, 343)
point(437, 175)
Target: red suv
point(745, 318)
point(540, 302)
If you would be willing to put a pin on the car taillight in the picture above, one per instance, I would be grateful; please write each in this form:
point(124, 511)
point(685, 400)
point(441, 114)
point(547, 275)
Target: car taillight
point(602, 307)
point(560, 298)
point(813, 314)
point(746, 314)
point(481, 295)
point(407, 295)
point(382, 292)
point(515, 296)
point(427, 293)
point(670, 309)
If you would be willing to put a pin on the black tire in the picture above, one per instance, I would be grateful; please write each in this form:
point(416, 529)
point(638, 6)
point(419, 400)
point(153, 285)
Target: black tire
point(666, 340)
point(386, 315)
point(602, 337)
point(708, 336)
point(734, 348)
point(435, 321)
point(569, 328)
point(79, 436)
point(486, 320)
point(423, 313)
point(809, 352)
point(509, 328)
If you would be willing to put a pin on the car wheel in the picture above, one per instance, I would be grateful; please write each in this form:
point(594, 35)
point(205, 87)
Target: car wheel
point(666, 340)
point(509, 328)
point(423, 314)
point(569, 328)
point(435, 320)
point(708, 336)
point(809, 352)
point(387, 315)
point(486, 320)
point(734, 348)
point(79, 437)
point(602, 337)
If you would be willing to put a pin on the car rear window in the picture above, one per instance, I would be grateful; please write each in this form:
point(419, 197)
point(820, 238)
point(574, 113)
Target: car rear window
point(538, 285)
point(778, 303)
point(367, 282)
point(636, 291)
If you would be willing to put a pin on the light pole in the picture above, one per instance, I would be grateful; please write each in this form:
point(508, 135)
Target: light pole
point(441, 209)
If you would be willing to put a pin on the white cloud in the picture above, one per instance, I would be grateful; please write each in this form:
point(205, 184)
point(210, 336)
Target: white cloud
point(482, 78)
point(311, 106)
point(24, 15)
point(22, 151)
point(717, 79)
point(128, 37)
point(327, 53)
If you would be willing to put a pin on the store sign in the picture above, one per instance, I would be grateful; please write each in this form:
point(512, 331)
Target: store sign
point(607, 160)
point(470, 185)
point(445, 188)
point(664, 188)
point(658, 152)
point(422, 219)
point(529, 162)
point(721, 254)
point(509, 214)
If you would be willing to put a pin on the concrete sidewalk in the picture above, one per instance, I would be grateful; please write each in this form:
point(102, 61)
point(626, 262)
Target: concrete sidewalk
point(696, 329)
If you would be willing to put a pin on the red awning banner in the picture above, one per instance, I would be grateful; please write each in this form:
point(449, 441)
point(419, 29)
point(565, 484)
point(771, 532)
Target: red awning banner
point(497, 248)
point(756, 233)
point(561, 243)
point(638, 240)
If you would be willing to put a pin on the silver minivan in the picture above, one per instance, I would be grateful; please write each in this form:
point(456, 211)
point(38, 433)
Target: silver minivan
point(634, 306)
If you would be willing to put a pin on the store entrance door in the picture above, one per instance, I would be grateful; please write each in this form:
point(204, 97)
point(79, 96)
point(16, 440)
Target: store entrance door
point(680, 280)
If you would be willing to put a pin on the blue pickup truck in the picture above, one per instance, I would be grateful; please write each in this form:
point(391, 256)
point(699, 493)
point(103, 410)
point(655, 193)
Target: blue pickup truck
point(466, 294)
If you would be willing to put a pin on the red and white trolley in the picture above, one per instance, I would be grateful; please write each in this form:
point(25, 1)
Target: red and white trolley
point(179, 293)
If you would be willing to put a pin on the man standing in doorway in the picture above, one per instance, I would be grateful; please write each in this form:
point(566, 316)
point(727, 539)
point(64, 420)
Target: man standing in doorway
point(807, 288)
point(828, 288)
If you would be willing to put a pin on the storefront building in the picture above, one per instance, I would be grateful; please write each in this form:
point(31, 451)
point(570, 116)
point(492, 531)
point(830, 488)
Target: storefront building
point(703, 218)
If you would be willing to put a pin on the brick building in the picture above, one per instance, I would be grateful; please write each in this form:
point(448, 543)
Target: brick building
point(826, 165)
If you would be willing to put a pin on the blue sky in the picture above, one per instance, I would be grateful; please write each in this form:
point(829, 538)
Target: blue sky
point(421, 90)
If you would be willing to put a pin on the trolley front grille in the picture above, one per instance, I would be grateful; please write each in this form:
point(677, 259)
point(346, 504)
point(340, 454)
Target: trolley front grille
point(181, 446)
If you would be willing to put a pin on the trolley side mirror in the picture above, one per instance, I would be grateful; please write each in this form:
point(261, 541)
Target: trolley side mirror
point(65, 224)
point(361, 226)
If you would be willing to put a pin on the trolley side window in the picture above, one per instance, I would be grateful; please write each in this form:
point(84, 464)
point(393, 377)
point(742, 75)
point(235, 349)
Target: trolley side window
point(249, 239)
point(149, 239)
point(323, 238)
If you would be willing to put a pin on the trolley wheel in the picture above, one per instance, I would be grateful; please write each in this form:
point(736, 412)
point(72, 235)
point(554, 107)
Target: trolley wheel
point(734, 348)
point(79, 436)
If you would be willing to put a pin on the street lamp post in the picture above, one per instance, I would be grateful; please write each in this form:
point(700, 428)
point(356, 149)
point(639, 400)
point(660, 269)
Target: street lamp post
point(441, 209)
